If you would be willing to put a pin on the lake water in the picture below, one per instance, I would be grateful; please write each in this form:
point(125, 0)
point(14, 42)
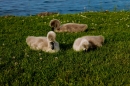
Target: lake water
point(33, 7)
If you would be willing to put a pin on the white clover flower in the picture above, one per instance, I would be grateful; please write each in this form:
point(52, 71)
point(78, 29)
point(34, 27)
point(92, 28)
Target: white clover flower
point(13, 57)
point(27, 55)
point(40, 58)
point(16, 63)
point(56, 58)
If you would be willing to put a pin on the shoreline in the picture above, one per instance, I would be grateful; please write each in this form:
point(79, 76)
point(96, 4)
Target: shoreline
point(53, 13)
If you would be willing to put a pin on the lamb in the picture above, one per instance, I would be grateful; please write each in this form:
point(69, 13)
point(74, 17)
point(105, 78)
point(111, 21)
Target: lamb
point(88, 42)
point(68, 27)
point(47, 44)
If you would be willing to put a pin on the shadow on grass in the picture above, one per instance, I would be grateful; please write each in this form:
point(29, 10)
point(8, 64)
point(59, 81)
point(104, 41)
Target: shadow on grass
point(90, 29)
point(66, 46)
point(70, 46)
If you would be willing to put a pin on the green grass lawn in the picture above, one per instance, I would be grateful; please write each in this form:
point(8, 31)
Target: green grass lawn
point(105, 66)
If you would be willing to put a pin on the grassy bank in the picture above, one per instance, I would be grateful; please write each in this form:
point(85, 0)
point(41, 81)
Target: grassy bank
point(105, 66)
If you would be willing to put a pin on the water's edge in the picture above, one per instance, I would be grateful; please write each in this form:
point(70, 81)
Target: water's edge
point(34, 7)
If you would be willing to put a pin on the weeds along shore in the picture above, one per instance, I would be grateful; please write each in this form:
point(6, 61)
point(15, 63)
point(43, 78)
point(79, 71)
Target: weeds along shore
point(108, 65)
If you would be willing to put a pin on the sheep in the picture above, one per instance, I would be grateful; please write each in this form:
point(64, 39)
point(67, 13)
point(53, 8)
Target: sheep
point(47, 44)
point(68, 27)
point(88, 42)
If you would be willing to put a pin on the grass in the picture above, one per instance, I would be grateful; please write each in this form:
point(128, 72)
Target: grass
point(105, 66)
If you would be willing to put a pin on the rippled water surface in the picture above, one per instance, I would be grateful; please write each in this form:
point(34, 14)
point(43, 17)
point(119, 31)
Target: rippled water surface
point(33, 7)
